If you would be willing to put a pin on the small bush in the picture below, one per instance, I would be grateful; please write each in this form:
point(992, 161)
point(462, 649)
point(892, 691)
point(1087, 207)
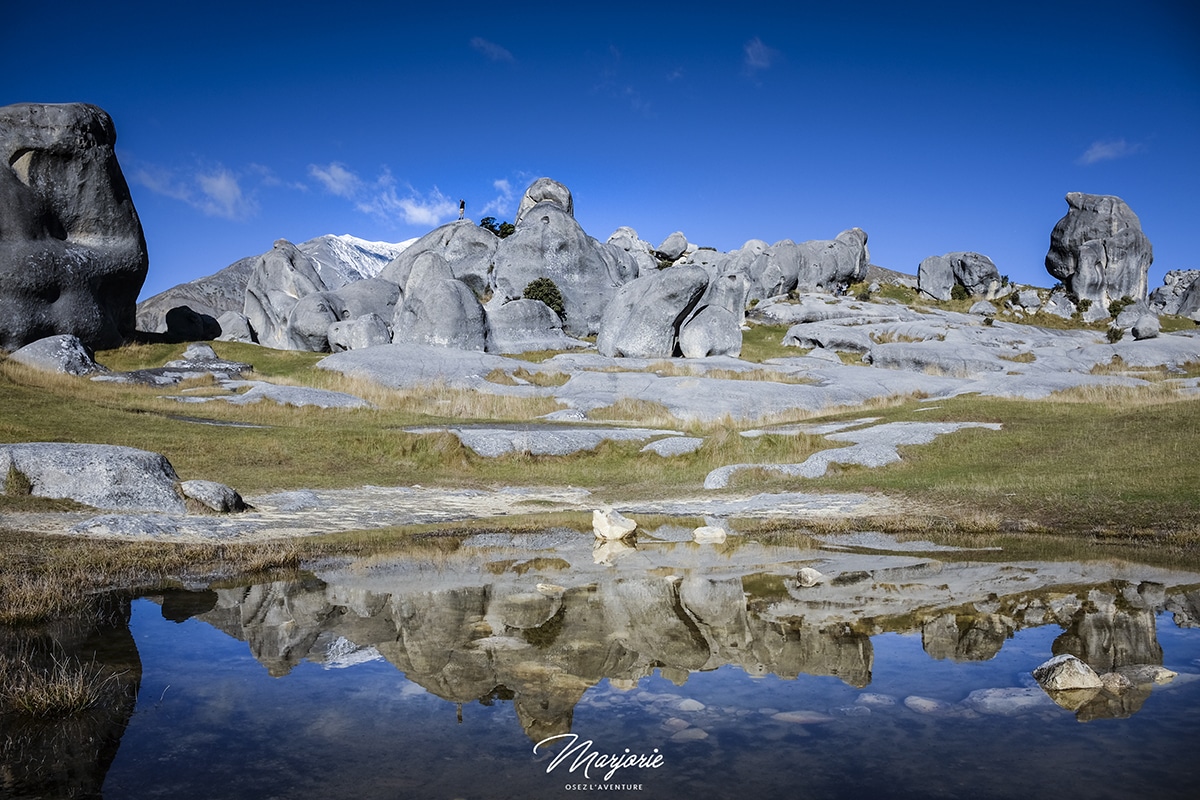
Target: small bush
point(1117, 306)
point(17, 484)
point(501, 229)
point(1083, 305)
point(959, 292)
point(1114, 334)
point(547, 291)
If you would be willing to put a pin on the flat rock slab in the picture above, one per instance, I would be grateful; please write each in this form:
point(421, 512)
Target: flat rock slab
point(298, 396)
point(797, 505)
point(542, 440)
point(875, 446)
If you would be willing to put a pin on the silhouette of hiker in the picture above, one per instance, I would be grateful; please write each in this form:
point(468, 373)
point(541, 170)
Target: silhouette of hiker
point(462, 208)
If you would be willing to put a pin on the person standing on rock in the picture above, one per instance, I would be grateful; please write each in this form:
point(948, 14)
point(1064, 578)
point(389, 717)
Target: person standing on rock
point(462, 208)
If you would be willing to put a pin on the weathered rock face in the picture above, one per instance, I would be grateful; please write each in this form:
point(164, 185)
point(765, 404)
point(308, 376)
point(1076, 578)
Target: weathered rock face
point(63, 353)
point(937, 275)
point(1178, 284)
point(466, 247)
point(713, 331)
point(1098, 250)
point(673, 246)
point(627, 240)
point(277, 281)
point(549, 243)
point(546, 190)
point(438, 310)
point(369, 330)
point(834, 264)
point(309, 320)
point(644, 317)
point(104, 476)
point(519, 326)
point(72, 254)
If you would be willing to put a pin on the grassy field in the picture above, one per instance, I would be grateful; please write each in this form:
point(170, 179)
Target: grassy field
point(1116, 466)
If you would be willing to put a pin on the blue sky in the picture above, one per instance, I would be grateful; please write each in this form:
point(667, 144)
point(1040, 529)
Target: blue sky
point(933, 126)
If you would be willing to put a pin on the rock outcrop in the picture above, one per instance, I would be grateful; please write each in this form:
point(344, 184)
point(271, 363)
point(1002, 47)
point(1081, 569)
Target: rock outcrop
point(937, 275)
point(104, 476)
point(72, 254)
point(644, 317)
point(277, 282)
point(1098, 250)
point(63, 353)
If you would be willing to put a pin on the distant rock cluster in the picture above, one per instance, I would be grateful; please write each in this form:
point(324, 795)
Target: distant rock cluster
point(73, 259)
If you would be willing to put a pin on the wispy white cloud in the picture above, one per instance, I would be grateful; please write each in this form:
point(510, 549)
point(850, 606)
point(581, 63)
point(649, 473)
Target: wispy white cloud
point(758, 56)
point(337, 179)
point(412, 207)
point(491, 50)
point(1109, 150)
point(214, 191)
point(501, 204)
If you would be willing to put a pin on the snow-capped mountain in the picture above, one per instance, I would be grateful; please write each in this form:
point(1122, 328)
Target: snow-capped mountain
point(342, 259)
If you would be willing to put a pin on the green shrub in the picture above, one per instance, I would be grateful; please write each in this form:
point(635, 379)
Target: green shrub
point(959, 292)
point(1117, 306)
point(547, 291)
point(1083, 305)
point(501, 229)
point(1114, 334)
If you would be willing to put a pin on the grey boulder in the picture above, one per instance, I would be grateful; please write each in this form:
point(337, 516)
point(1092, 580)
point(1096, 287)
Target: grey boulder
point(467, 248)
point(103, 476)
point(1178, 284)
point(72, 253)
point(185, 324)
point(439, 310)
point(234, 328)
point(644, 317)
point(278, 280)
point(63, 353)
point(1098, 250)
point(712, 331)
point(546, 190)
point(673, 246)
point(627, 240)
point(214, 496)
point(520, 326)
point(549, 243)
point(832, 265)
point(1146, 327)
point(937, 275)
point(369, 330)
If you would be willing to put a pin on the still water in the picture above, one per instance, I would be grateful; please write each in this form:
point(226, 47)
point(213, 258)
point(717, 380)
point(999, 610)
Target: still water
point(710, 671)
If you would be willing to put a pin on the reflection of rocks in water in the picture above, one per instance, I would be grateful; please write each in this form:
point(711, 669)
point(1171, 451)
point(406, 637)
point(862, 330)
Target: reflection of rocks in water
point(789, 650)
point(966, 637)
point(1114, 629)
point(1186, 608)
point(69, 756)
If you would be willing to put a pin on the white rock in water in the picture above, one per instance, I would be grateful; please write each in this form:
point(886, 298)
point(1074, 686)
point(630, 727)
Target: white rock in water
point(1066, 672)
point(802, 717)
point(611, 525)
point(809, 577)
point(709, 534)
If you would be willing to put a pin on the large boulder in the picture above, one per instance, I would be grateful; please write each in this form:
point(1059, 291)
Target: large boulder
point(937, 275)
point(309, 320)
point(627, 240)
point(520, 326)
point(438, 309)
point(673, 246)
point(104, 476)
point(370, 296)
point(549, 243)
point(644, 317)
point(1178, 284)
point(72, 253)
point(546, 190)
point(712, 331)
point(832, 265)
point(465, 246)
point(1098, 250)
point(62, 353)
point(278, 279)
point(369, 330)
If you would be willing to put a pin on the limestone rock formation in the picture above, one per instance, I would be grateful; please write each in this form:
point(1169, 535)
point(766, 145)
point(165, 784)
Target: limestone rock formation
point(627, 240)
point(546, 190)
point(104, 476)
point(278, 280)
point(438, 310)
point(369, 330)
point(468, 248)
point(712, 331)
point(937, 275)
point(644, 317)
point(1098, 250)
point(63, 353)
point(673, 246)
point(832, 265)
point(214, 496)
point(1179, 294)
point(72, 254)
point(549, 243)
point(520, 326)
point(307, 326)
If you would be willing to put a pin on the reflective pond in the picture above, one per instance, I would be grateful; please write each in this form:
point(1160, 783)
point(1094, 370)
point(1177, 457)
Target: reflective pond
point(538, 666)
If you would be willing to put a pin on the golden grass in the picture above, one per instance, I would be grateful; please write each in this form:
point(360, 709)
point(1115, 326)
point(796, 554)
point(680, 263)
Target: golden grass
point(61, 686)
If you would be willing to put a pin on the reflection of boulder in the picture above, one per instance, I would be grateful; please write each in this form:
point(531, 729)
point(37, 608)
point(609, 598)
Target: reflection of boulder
point(1107, 637)
point(966, 637)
